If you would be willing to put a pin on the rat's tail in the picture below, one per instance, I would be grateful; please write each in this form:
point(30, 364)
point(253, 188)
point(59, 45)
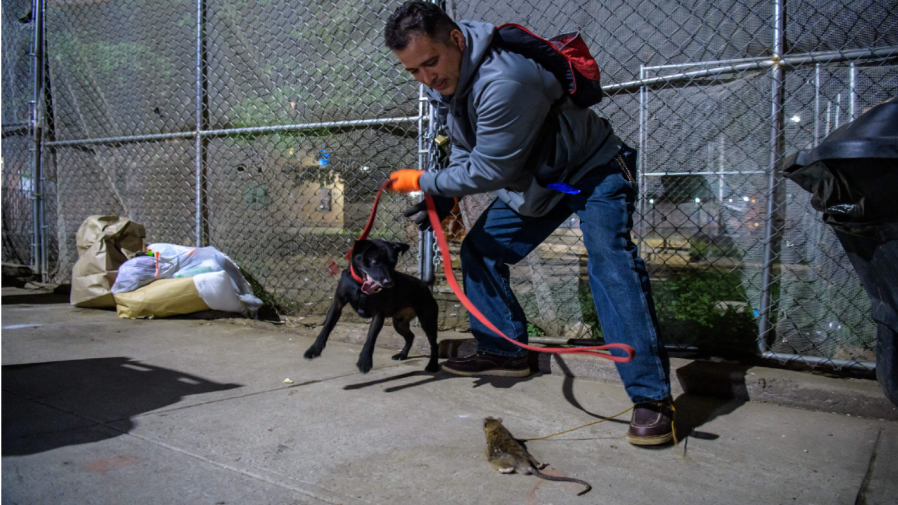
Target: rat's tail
point(541, 475)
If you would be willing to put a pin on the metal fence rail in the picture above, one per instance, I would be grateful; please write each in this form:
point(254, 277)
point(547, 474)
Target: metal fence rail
point(264, 128)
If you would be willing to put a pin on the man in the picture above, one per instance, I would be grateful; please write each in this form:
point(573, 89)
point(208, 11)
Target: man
point(513, 130)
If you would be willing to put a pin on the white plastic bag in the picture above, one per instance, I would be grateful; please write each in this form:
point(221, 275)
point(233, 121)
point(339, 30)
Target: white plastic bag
point(140, 271)
point(218, 292)
point(190, 261)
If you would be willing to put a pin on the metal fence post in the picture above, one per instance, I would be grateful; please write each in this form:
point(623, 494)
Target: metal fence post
point(816, 104)
point(776, 130)
point(423, 256)
point(429, 273)
point(426, 242)
point(200, 110)
point(640, 247)
point(38, 262)
point(851, 91)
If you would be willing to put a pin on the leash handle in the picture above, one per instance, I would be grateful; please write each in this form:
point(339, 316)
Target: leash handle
point(450, 278)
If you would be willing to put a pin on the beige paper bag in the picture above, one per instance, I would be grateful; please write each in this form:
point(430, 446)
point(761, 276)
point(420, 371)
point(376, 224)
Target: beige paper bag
point(104, 243)
point(161, 298)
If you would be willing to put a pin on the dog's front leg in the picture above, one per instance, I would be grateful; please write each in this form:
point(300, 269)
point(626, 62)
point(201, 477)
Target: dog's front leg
point(366, 359)
point(333, 315)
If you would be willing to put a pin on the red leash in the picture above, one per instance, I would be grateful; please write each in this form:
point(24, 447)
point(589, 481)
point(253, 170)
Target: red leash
point(450, 277)
point(367, 230)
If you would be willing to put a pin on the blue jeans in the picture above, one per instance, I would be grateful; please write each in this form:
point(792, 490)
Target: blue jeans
point(617, 276)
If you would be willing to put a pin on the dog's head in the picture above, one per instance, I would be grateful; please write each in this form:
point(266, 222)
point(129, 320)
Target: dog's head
point(375, 262)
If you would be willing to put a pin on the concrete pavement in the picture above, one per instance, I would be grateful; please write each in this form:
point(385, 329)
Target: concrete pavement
point(103, 410)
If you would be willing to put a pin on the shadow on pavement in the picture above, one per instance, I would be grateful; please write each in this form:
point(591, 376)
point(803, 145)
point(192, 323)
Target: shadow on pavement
point(39, 298)
point(710, 390)
point(56, 404)
point(496, 382)
point(567, 388)
point(694, 411)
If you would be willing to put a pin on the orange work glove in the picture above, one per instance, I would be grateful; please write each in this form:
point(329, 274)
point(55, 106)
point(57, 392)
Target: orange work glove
point(405, 181)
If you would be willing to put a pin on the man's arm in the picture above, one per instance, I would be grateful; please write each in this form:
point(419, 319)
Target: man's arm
point(510, 117)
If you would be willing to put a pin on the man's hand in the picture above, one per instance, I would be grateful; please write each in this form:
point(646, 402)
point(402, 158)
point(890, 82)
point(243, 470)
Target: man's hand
point(405, 181)
point(443, 205)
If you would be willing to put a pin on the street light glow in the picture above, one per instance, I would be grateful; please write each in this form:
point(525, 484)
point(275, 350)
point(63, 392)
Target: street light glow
point(796, 118)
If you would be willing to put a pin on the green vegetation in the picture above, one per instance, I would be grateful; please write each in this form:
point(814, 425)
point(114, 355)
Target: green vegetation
point(534, 330)
point(690, 313)
point(699, 250)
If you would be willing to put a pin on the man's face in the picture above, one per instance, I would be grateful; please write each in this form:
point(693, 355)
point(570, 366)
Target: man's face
point(434, 63)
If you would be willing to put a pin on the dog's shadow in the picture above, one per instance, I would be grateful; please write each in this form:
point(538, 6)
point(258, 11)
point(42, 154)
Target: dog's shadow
point(428, 378)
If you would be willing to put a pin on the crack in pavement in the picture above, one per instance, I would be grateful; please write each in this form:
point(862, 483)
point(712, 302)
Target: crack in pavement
point(861, 498)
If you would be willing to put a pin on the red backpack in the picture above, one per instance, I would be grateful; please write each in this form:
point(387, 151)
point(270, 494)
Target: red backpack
point(566, 56)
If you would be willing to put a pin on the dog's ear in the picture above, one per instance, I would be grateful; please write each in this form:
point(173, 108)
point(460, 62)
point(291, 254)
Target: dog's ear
point(399, 247)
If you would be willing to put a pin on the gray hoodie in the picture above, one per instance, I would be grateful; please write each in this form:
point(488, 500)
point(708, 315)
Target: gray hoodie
point(512, 131)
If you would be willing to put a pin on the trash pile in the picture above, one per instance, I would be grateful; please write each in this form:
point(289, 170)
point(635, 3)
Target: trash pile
point(114, 269)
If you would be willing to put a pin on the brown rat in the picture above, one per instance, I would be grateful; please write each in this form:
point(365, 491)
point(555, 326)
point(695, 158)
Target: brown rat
point(506, 454)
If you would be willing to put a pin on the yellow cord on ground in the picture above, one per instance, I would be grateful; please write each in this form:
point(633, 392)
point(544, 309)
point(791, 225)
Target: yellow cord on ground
point(578, 427)
point(672, 427)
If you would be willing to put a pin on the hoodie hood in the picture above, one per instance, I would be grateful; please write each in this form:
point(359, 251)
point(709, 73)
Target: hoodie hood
point(478, 36)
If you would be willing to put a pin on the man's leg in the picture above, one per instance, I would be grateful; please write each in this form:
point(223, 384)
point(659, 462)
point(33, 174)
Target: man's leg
point(623, 299)
point(501, 237)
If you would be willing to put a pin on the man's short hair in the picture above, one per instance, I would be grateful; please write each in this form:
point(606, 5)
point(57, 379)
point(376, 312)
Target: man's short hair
point(415, 18)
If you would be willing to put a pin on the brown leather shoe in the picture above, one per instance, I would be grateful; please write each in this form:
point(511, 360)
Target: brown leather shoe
point(652, 423)
point(482, 363)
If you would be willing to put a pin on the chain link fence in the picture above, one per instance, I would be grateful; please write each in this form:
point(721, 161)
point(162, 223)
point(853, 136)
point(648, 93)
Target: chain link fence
point(18, 86)
point(739, 260)
point(264, 128)
point(266, 139)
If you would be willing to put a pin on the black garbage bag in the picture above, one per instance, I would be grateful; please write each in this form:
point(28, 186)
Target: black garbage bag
point(876, 264)
point(853, 177)
point(853, 173)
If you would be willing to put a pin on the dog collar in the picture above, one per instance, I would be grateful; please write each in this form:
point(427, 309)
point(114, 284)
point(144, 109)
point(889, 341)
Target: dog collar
point(355, 276)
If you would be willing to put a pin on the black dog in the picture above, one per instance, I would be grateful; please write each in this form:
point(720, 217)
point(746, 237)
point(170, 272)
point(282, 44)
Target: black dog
point(383, 293)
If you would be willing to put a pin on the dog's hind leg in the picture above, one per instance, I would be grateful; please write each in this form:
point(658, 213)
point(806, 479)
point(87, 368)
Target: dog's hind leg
point(402, 328)
point(333, 315)
point(366, 357)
